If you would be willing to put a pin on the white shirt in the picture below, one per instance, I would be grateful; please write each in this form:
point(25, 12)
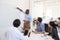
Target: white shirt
point(28, 17)
point(27, 37)
point(14, 34)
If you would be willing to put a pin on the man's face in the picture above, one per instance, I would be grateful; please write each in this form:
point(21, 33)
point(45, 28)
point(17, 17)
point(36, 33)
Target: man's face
point(27, 11)
point(37, 21)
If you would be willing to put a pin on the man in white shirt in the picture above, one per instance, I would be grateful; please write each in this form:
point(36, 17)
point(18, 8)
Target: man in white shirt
point(13, 33)
point(27, 18)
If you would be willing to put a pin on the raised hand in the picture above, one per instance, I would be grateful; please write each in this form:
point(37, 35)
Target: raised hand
point(19, 9)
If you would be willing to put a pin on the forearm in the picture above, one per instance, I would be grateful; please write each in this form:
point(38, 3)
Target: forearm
point(19, 9)
point(39, 32)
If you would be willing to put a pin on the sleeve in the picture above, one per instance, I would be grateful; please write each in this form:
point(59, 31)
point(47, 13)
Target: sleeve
point(8, 35)
point(21, 37)
point(21, 7)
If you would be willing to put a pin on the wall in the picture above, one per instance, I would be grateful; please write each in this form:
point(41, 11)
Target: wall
point(47, 8)
point(8, 13)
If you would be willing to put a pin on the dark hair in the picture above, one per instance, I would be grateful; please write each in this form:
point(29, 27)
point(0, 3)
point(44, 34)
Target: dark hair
point(16, 23)
point(39, 19)
point(52, 23)
point(26, 32)
point(27, 11)
point(59, 18)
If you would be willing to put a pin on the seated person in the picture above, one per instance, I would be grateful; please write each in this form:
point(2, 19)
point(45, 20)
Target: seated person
point(13, 33)
point(26, 33)
point(53, 30)
point(40, 26)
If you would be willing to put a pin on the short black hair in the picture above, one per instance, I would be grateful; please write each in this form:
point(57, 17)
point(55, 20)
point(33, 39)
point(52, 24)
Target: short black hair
point(16, 23)
point(39, 19)
point(26, 32)
point(27, 11)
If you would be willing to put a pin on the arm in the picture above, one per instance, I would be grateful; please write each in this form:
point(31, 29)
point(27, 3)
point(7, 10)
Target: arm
point(38, 32)
point(20, 9)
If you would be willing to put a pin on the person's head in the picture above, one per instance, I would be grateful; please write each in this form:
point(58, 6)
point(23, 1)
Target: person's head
point(52, 24)
point(39, 19)
point(16, 23)
point(27, 11)
point(58, 18)
point(26, 32)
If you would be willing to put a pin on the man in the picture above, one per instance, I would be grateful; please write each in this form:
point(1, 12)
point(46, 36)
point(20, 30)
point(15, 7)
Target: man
point(27, 18)
point(40, 26)
point(13, 33)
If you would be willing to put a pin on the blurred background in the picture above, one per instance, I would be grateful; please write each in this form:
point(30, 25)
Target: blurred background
point(46, 9)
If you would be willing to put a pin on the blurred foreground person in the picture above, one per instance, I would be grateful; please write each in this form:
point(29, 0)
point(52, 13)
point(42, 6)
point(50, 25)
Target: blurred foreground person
point(13, 33)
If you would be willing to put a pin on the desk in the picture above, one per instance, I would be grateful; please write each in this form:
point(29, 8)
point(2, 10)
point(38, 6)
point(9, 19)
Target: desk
point(34, 36)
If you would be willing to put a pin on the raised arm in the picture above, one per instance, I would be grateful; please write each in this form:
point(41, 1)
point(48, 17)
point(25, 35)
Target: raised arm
point(20, 9)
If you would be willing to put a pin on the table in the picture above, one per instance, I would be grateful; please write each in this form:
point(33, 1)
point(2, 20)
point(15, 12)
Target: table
point(34, 36)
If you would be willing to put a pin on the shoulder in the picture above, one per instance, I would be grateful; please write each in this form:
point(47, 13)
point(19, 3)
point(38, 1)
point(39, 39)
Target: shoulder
point(29, 14)
point(26, 37)
point(42, 23)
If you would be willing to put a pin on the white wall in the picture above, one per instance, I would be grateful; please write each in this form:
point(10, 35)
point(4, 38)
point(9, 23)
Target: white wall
point(50, 8)
point(8, 13)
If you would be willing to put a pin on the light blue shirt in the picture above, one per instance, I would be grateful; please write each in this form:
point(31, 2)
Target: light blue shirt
point(28, 17)
point(40, 27)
